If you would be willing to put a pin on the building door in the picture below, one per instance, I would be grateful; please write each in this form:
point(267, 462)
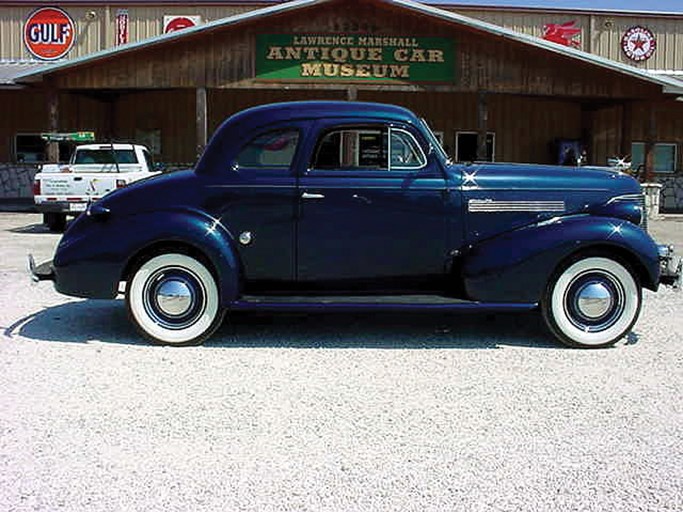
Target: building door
point(466, 146)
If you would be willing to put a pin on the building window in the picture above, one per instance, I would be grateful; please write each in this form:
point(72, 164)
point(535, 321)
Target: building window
point(666, 155)
point(31, 148)
point(466, 147)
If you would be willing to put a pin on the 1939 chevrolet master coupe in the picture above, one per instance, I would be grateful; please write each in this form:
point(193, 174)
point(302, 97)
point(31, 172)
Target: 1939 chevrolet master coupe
point(347, 205)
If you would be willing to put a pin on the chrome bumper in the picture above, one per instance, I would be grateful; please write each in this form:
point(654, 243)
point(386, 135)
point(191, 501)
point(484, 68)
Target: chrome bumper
point(671, 267)
point(42, 272)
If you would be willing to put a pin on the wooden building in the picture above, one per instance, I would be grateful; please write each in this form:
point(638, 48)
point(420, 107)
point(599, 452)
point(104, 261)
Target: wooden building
point(492, 92)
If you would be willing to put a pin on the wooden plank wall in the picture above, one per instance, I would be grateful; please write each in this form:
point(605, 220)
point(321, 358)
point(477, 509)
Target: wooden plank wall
point(25, 111)
point(525, 127)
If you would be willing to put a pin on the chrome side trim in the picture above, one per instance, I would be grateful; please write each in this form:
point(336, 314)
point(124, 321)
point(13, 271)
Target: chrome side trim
point(625, 198)
point(491, 206)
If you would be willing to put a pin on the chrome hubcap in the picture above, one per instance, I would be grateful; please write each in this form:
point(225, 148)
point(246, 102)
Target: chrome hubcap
point(174, 297)
point(594, 300)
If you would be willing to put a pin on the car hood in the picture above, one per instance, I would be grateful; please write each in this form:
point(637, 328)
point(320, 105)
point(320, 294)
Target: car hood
point(501, 197)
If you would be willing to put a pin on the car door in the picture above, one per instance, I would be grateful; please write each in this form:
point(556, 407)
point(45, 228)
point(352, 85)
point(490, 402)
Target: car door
point(373, 204)
point(258, 202)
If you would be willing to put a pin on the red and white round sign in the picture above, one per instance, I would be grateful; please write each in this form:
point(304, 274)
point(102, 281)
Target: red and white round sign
point(49, 33)
point(638, 43)
point(174, 23)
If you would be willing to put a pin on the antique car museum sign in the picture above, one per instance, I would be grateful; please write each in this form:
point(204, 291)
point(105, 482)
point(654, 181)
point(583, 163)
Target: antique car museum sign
point(314, 57)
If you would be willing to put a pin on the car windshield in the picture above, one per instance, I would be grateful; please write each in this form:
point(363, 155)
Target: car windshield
point(104, 156)
point(435, 142)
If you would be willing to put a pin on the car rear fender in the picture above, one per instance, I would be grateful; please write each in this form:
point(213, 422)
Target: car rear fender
point(516, 266)
point(188, 231)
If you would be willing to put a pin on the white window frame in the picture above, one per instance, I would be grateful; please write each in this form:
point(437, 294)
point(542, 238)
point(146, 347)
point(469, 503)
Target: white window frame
point(470, 132)
point(675, 159)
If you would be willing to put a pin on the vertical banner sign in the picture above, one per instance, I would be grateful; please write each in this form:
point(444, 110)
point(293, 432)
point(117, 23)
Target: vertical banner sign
point(355, 58)
point(121, 27)
point(49, 33)
point(174, 23)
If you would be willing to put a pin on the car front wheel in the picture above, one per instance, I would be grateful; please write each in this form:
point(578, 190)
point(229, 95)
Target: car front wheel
point(173, 300)
point(592, 302)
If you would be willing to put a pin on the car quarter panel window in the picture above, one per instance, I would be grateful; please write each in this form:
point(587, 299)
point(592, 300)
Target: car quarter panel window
point(274, 149)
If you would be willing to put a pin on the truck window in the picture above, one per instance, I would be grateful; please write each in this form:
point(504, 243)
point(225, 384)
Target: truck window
point(148, 160)
point(105, 156)
point(269, 150)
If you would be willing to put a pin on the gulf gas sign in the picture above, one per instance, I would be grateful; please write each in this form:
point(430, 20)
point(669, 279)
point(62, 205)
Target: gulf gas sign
point(49, 33)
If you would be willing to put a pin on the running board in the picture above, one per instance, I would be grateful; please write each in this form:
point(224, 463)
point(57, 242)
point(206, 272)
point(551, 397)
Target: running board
point(371, 303)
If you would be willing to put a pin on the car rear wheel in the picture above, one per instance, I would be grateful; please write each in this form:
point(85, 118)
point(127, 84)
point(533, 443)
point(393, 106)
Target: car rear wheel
point(173, 300)
point(56, 222)
point(592, 302)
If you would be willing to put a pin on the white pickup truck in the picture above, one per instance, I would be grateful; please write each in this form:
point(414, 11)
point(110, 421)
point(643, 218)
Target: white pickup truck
point(93, 171)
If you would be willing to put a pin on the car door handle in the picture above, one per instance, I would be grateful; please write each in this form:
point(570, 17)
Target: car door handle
point(308, 195)
point(361, 199)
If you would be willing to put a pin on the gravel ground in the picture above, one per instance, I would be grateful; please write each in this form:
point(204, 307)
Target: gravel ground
point(331, 412)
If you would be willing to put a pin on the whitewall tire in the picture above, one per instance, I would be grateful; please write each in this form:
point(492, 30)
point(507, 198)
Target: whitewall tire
point(173, 300)
point(592, 302)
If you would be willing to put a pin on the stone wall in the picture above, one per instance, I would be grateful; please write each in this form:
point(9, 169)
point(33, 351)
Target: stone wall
point(672, 194)
point(16, 180)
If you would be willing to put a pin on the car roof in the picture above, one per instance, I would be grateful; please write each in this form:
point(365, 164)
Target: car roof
point(293, 110)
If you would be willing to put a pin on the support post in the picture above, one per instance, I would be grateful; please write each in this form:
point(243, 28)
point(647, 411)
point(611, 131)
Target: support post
point(201, 117)
point(650, 144)
point(626, 141)
point(482, 125)
point(588, 113)
point(52, 122)
point(351, 94)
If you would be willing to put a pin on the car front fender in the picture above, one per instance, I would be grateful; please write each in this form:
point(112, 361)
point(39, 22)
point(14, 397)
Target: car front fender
point(516, 266)
point(95, 254)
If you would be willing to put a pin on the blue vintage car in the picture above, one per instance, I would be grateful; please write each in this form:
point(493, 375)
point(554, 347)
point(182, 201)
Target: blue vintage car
point(347, 205)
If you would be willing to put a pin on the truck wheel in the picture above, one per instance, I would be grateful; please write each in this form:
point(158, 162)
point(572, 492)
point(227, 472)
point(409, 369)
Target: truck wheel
point(592, 302)
point(173, 300)
point(56, 222)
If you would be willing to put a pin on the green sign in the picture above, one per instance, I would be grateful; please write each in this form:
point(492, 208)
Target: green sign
point(70, 137)
point(354, 58)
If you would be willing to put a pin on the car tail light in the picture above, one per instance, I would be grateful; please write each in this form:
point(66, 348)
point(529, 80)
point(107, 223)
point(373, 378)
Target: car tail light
point(121, 183)
point(36, 187)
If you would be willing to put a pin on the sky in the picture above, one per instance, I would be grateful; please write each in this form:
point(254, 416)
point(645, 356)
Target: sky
point(668, 6)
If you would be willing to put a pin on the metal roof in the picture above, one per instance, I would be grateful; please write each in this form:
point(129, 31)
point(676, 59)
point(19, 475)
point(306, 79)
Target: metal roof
point(669, 86)
point(668, 8)
point(10, 69)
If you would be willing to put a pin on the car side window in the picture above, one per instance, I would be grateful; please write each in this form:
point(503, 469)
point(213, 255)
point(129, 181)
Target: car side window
point(362, 148)
point(274, 149)
point(368, 148)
